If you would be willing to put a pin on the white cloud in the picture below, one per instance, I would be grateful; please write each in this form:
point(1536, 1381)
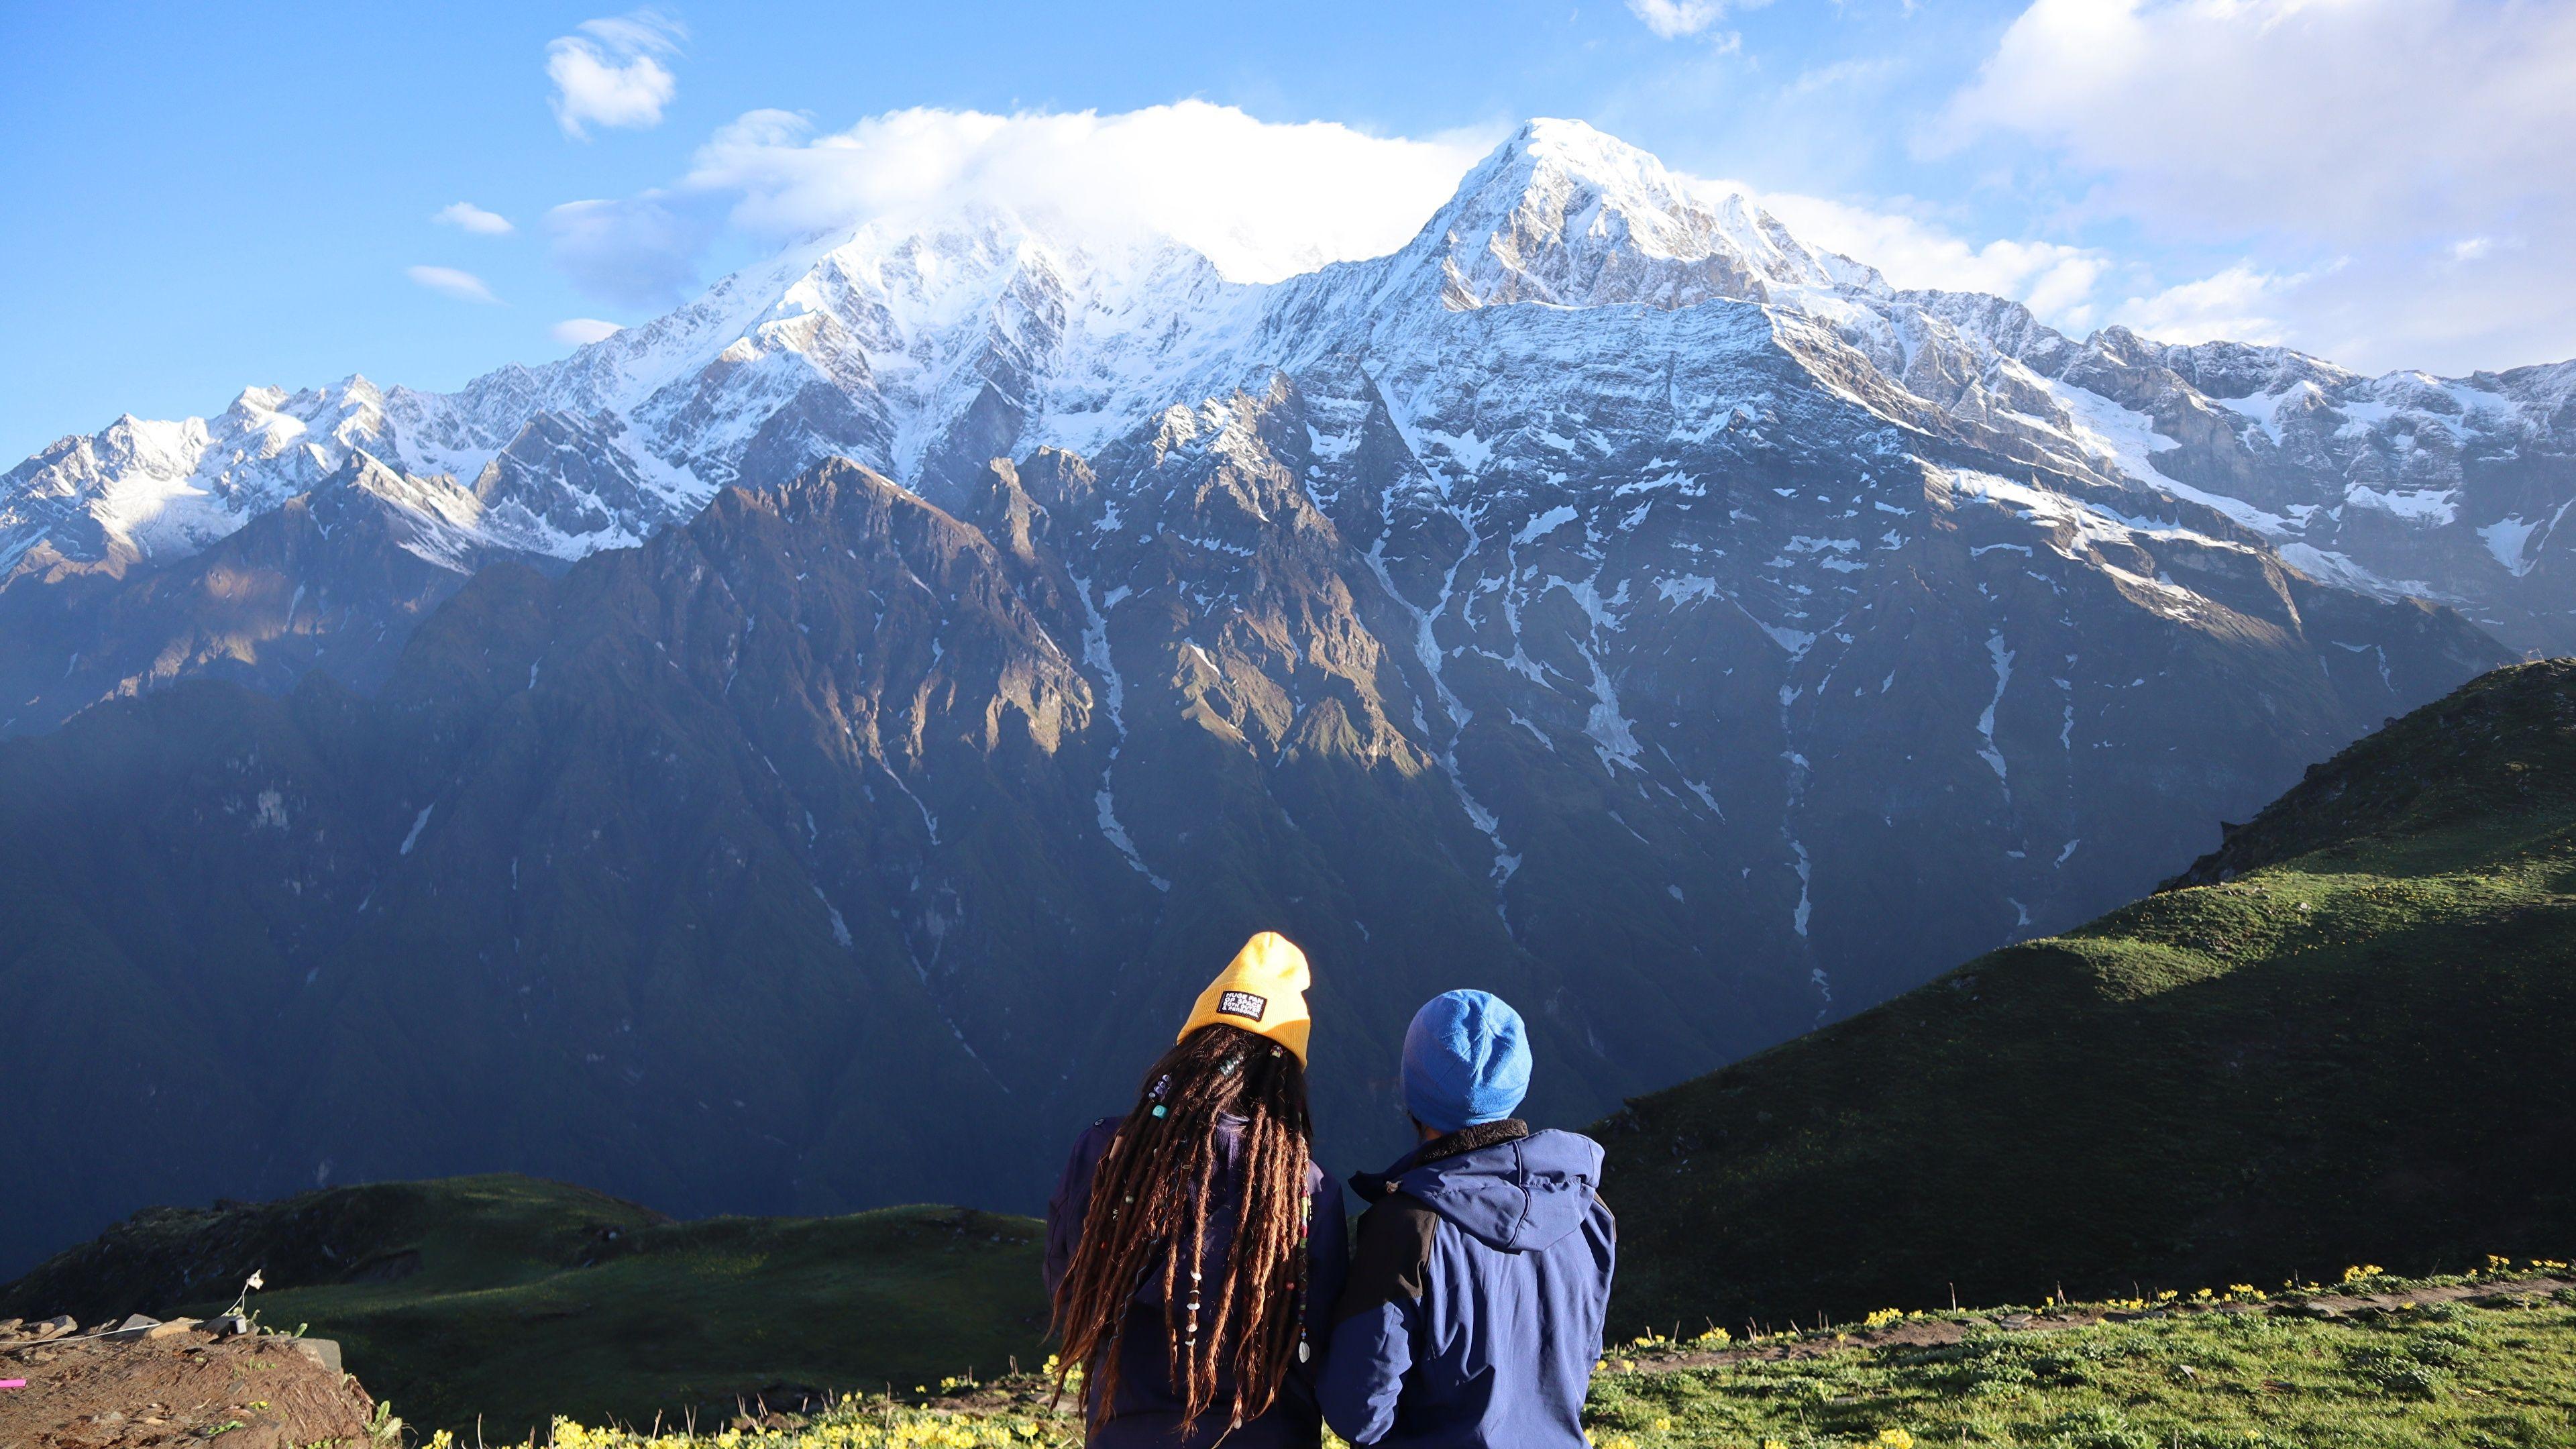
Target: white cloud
point(608, 75)
point(2236, 305)
point(1260, 200)
point(582, 331)
point(2364, 146)
point(2053, 279)
point(466, 216)
point(2310, 114)
point(463, 286)
point(1673, 19)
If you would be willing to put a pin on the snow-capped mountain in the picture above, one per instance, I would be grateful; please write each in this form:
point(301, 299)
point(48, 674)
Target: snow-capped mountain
point(1606, 597)
point(923, 351)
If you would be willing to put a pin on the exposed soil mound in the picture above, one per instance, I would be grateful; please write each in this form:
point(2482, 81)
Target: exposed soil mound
point(182, 1387)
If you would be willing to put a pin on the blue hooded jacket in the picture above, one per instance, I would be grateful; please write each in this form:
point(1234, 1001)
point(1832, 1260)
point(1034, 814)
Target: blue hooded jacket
point(1477, 1294)
point(1147, 1414)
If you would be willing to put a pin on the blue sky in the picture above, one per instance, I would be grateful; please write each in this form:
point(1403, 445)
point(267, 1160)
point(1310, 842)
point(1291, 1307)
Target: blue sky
point(202, 198)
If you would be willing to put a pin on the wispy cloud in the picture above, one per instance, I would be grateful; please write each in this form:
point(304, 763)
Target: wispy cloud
point(1673, 19)
point(2237, 305)
point(2299, 113)
point(448, 281)
point(639, 251)
point(466, 216)
point(610, 74)
point(582, 331)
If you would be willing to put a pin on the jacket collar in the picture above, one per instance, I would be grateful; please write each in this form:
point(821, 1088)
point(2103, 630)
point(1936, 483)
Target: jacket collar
point(1468, 1139)
point(1372, 1186)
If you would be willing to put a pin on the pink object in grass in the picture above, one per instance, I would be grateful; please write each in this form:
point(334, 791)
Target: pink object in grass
point(13, 1383)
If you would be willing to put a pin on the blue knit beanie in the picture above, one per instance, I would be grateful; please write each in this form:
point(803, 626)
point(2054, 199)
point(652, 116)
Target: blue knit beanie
point(1466, 1061)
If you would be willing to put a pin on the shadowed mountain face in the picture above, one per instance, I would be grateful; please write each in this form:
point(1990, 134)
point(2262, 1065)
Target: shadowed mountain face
point(1606, 600)
point(835, 850)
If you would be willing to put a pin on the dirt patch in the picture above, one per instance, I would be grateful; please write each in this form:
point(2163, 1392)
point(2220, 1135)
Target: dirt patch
point(186, 1388)
point(1937, 1332)
point(2328, 1305)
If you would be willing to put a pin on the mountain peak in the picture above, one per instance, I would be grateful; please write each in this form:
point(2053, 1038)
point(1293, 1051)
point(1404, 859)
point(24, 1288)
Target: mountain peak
point(1582, 149)
point(1575, 158)
point(1567, 214)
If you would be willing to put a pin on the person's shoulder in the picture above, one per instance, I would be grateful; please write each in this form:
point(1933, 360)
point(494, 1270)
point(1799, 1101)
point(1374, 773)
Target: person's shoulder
point(1391, 1262)
point(1095, 1139)
point(1400, 1216)
point(1570, 1148)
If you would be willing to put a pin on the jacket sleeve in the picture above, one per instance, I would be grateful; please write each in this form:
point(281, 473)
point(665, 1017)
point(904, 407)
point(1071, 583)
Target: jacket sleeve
point(1378, 1319)
point(1072, 1201)
point(1328, 1263)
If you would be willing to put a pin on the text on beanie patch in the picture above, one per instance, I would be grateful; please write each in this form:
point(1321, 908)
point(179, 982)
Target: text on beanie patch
point(1243, 1004)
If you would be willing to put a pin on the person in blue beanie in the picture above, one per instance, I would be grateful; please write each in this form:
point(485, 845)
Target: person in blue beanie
point(1473, 1311)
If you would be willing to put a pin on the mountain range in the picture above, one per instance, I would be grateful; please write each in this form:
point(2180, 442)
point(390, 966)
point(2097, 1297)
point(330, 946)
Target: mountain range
point(802, 752)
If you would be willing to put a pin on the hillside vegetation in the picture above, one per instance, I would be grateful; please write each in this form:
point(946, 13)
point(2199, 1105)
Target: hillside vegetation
point(503, 1301)
point(2341, 1038)
point(2373, 1363)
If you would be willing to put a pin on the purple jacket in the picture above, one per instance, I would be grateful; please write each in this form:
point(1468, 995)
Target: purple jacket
point(1474, 1310)
point(1148, 1413)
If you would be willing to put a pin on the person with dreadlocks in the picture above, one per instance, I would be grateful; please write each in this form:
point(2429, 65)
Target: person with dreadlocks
point(1192, 1242)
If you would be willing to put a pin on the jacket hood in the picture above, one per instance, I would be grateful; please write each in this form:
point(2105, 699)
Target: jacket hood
point(1520, 1194)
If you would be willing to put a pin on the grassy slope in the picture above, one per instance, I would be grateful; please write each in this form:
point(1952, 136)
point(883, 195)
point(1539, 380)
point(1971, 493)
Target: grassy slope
point(2441, 1374)
point(2342, 1038)
point(522, 1306)
point(2493, 1370)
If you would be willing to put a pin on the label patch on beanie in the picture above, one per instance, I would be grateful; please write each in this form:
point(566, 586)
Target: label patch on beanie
point(1243, 1004)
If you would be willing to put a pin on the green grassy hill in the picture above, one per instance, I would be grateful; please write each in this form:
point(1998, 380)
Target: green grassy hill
point(2344, 1037)
point(516, 1300)
point(2487, 1360)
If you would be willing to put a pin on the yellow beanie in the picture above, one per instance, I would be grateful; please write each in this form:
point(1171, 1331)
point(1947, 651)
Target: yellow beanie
point(1263, 991)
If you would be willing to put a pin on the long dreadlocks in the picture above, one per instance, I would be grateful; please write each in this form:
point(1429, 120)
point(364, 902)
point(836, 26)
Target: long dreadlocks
point(1150, 1197)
